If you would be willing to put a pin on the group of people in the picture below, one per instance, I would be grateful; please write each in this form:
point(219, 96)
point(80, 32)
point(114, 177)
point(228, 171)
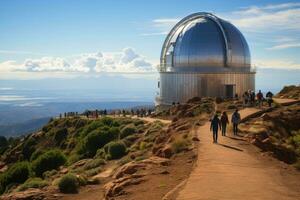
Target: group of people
point(143, 112)
point(68, 114)
point(249, 99)
point(252, 99)
point(95, 113)
point(222, 122)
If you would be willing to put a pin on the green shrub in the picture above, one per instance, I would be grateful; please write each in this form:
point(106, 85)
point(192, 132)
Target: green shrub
point(100, 153)
point(116, 123)
point(17, 173)
point(143, 146)
point(108, 121)
point(179, 145)
point(97, 139)
point(127, 130)
point(3, 141)
point(50, 174)
point(3, 144)
point(33, 183)
point(28, 148)
point(124, 160)
point(91, 127)
point(36, 154)
point(92, 172)
point(68, 184)
point(295, 140)
point(74, 158)
point(93, 164)
point(82, 180)
point(155, 127)
point(115, 132)
point(47, 127)
point(116, 150)
point(129, 140)
point(138, 122)
point(47, 161)
point(60, 135)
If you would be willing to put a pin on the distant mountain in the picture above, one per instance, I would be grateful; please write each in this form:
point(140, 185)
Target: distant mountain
point(23, 128)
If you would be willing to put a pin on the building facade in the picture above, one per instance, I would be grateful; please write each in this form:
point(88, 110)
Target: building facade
point(202, 56)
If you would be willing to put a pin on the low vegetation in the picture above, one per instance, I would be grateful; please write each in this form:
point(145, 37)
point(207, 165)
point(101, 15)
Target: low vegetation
point(72, 152)
point(36, 160)
point(68, 184)
point(115, 150)
point(180, 145)
point(32, 183)
point(18, 173)
point(47, 161)
point(277, 131)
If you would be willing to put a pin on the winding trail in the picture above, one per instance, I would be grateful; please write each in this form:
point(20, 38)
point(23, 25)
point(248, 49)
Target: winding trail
point(234, 169)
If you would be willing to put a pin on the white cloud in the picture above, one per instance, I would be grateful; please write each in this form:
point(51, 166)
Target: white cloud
point(259, 19)
point(277, 24)
point(46, 64)
point(156, 33)
point(284, 46)
point(165, 22)
point(126, 61)
point(276, 64)
point(162, 26)
point(281, 6)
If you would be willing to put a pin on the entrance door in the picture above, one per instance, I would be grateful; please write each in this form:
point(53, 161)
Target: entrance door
point(229, 91)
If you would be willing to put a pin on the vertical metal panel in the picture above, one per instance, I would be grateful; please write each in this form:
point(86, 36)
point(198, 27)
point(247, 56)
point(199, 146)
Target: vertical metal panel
point(180, 87)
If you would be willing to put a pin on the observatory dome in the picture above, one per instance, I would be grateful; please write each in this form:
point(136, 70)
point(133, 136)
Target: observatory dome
point(204, 42)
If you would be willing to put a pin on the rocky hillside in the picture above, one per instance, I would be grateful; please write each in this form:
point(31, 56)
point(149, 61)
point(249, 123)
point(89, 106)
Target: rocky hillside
point(277, 131)
point(111, 157)
point(290, 92)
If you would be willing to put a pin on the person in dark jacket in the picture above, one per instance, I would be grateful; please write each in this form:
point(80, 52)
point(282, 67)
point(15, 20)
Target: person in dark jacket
point(224, 122)
point(269, 97)
point(235, 119)
point(214, 126)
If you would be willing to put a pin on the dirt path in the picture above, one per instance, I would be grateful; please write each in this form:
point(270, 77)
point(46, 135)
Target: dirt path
point(285, 101)
point(233, 169)
point(151, 120)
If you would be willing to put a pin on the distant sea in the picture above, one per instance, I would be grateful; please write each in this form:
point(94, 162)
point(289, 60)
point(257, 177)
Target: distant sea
point(26, 110)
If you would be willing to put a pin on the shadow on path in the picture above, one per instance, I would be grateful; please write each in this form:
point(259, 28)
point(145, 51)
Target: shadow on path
point(230, 147)
point(235, 138)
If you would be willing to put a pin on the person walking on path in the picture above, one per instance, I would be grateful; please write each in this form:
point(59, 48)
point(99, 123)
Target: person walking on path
point(245, 98)
point(224, 122)
point(214, 126)
point(260, 97)
point(269, 97)
point(235, 119)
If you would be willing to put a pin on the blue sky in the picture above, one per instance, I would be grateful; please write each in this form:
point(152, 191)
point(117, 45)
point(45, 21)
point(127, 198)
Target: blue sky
point(56, 38)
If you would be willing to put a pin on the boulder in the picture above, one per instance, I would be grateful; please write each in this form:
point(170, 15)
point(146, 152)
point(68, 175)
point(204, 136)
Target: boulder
point(166, 152)
point(30, 194)
point(128, 169)
point(116, 187)
point(183, 127)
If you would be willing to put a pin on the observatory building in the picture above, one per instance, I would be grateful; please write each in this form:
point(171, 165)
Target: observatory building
point(204, 56)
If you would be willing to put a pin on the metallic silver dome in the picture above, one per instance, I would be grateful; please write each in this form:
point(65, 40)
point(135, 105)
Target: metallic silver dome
point(204, 42)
